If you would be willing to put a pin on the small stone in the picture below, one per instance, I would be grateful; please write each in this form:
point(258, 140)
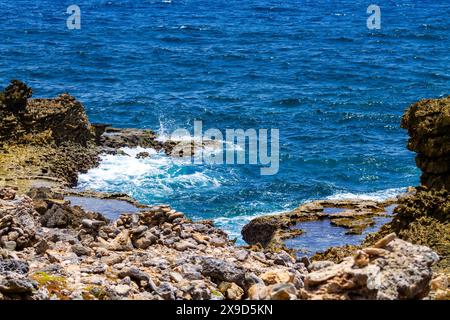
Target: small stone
point(122, 289)
point(375, 252)
point(112, 259)
point(175, 215)
point(319, 265)
point(361, 259)
point(385, 241)
point(12, 236)
point(305, 260)
point(283, 258)
point(139, 277)
point(176, 277)
point(92, 224)
point(283, 291)
point(222, 270)
point(6, 221)
point(142, 155)
point(17, 285)
point(10, 245)
point(191, 272)
point(231, 290)
point(439, 283)
point(251, 279)
point(166, 291)
point(40, 206)
point(218, 242)
point(199, 238)
point(41, 247)
point(258, 292)
point(184, 245)
point(120, 243)
point(139, 231)
point(81, 250)
point(242, 255)
point(275, 276)
point(145, 241)
point(7, 194)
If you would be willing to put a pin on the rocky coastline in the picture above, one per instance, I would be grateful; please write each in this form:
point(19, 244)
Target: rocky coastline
point(53, 249)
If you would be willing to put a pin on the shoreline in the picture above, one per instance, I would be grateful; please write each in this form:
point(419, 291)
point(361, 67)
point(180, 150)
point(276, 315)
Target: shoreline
point(156, 252)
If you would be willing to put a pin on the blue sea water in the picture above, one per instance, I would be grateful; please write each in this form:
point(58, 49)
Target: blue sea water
point(334, 88)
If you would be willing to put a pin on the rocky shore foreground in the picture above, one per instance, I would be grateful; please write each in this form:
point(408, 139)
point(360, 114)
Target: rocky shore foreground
point(52, 249)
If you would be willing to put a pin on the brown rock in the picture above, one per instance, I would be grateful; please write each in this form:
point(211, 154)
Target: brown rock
point(275, 276)
point(231, 290)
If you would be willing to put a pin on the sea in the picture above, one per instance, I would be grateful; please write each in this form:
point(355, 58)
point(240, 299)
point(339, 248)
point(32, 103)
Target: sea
point(317, 71)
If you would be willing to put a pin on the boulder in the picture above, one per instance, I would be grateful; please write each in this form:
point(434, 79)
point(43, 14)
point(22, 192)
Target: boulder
point(7, 194)
point(404, 272)
point(428, 125)
point(231, 291)
point(220, 270)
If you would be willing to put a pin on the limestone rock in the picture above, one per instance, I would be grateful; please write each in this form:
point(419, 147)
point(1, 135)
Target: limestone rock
point(403, 273)
point(120, 243)
point(231, 291)
point(275, 276)
point(428, 125)
point(222, 271)
point(7, 194)
point(282, 291)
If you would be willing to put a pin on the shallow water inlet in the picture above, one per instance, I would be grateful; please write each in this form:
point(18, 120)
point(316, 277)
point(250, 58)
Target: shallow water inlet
point(109, 208)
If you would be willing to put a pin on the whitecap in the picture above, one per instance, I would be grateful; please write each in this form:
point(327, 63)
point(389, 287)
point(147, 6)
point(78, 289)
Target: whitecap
point(380, 195)
point(158, 175)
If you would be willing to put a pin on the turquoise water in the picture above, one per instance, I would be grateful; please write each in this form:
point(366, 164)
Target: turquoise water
point(312, 69)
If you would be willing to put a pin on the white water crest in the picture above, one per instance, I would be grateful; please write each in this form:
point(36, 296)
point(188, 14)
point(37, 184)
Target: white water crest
point(380, 195)
point(158, 175)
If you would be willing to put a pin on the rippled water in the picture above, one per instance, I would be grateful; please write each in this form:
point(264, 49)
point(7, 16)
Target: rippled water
point(335, 89)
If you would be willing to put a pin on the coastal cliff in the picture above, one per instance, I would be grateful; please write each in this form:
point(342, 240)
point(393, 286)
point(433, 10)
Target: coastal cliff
point(52, 249)
point(422, 216)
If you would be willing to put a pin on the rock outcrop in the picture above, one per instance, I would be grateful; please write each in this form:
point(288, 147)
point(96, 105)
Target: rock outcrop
point(353, 215)
point(61, 120)
point(424, 216)
point(50, 249)
point(428, 125)
point(160, 254)
point(392, 269)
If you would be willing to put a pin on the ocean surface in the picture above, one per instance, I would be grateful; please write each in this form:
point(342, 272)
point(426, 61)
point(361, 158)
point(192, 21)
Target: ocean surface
point(312, 69)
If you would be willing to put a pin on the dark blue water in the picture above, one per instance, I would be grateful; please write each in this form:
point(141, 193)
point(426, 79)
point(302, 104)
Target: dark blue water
point(335, 89)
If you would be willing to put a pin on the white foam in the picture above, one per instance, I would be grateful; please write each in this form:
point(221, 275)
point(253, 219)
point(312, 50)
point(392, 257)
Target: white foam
point(159, 173)
point(380, 195)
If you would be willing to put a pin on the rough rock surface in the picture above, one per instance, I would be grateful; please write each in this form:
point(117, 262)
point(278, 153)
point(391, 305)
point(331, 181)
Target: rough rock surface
point(422, 218)
point(50, 249)
point(354, 215)
point(160, 254)
point(428, 125)
point(394, 270)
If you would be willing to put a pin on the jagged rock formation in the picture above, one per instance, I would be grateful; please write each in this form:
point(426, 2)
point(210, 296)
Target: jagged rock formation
point(50, 249)
point(428, 125)
point(424, 217)
point(155, 254)
point(160, 254)
point(391, 269)
point(60, 120)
